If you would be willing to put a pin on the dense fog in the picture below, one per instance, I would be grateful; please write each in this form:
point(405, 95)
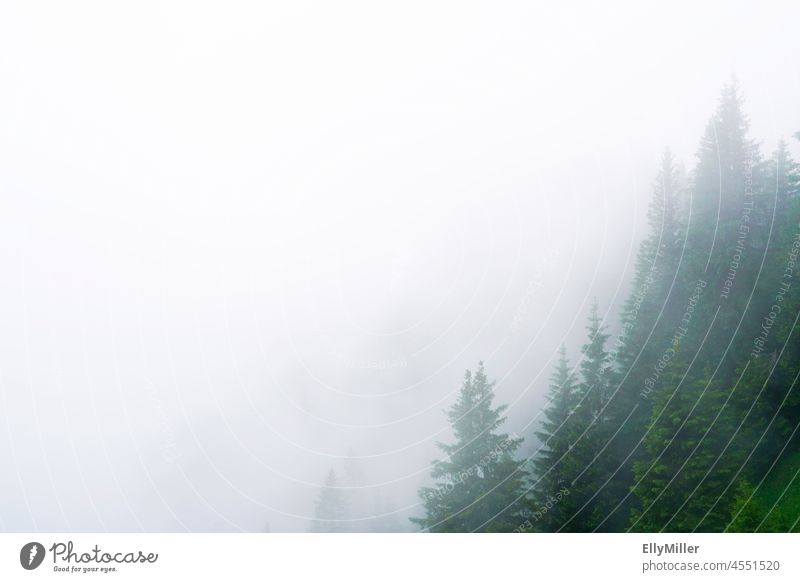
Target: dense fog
point(245, 243)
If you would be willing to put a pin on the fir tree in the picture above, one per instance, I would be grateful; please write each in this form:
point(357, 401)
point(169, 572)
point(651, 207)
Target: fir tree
point(595, 367)
point(648, 319)
point(480, 484)
point(550, 478)
point(583, 467)
point(782, 182)
point(330, 510)
point(723, 243)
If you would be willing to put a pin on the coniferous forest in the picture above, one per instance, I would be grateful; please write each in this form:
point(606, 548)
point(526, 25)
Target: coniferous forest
point(379, 267)
point(687, 419)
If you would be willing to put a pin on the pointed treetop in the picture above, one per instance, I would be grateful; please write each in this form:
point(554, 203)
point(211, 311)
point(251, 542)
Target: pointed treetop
point(595, 321)
point(730, 106)
point(330, 479)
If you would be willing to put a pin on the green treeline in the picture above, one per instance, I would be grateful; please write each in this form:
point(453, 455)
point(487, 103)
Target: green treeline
point(687, 419)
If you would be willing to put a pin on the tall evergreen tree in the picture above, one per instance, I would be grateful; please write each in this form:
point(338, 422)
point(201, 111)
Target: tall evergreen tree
point(782, 288)
point(583, 466)
point(595, 367)
point(648, 321)
point(782, 181)
point(724, 155)
point(550, 477)
point(724, 240)
point(330, 510)
point(479, 484)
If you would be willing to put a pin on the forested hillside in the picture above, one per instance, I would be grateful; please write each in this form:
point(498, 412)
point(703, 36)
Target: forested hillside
point(687, 419)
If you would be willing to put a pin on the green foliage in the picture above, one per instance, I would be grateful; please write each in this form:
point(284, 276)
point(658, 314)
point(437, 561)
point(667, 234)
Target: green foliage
point(746, 513)
point(683, 484)
point(719, 411)
point(687, 420)
point(550, 475)
point(554, 427)
point(479, 484)
point(583, 464)
point(772, 506)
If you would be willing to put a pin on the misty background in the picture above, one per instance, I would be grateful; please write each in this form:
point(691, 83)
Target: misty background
point(243, 244)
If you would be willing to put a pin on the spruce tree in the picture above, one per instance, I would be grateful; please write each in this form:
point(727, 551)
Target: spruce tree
point(648, 321)
point(550, 480)
point(782, 182)
point(583, 466)
point(479, 485)
point(330, 510)
point(595, 367)
point(783, 341)
point(725, 242)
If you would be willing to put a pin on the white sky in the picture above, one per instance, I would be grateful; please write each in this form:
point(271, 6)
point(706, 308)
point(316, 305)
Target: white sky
point(260, 234)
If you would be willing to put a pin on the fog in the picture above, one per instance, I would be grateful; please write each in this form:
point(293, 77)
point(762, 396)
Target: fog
point(244, 243)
